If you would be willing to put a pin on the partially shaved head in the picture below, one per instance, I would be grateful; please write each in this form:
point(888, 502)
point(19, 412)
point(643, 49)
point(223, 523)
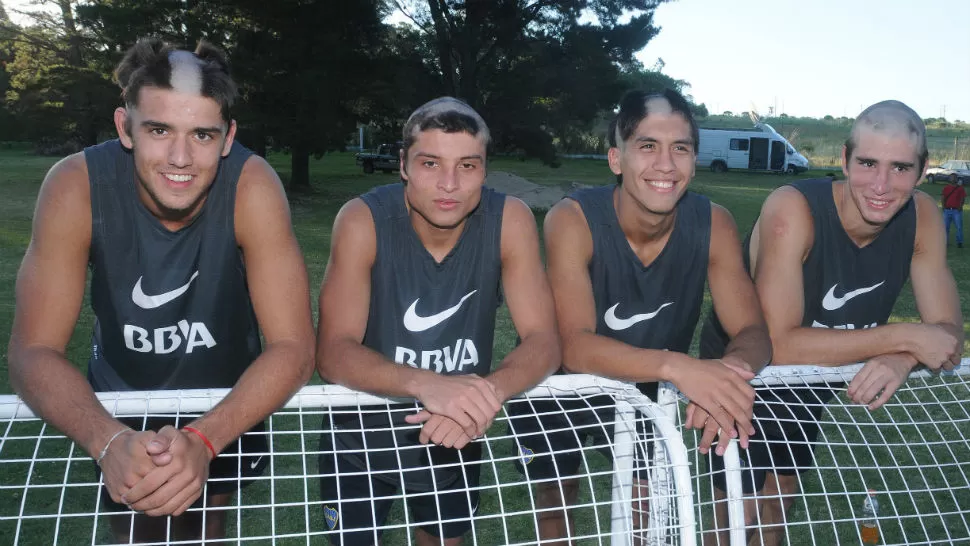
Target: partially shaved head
point(893, 119)
point(636, 105)
point(447, 114)
point(186, 75)
point(154, 63)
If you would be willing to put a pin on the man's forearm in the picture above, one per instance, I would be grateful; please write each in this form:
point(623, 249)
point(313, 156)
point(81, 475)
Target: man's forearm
point(537, 356)
point(594, 354)
point(265, 386)
point(836, 347)
point(752, 345)
point(349, 363)
point(57, 392)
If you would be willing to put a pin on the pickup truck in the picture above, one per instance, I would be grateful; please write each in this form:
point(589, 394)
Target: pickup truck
point(386, 159)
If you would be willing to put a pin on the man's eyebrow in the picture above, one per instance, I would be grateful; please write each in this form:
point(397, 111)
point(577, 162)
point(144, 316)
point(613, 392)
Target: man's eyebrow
point(153, 124)
point(430, 155)
point(652, 140)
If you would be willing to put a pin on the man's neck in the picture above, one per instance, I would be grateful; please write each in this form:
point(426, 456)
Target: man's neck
point(861, 232)
point(436, 240)
point(646, 232)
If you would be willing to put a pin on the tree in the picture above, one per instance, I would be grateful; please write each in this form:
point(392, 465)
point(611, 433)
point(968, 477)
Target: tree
point(57, 86)
point(532, 67)
point(407, 78)
point(305, 65)
point(9, 129)
point(302, 66)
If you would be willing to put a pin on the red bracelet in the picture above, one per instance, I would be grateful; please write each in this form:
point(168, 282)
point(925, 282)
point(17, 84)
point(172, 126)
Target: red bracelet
point(205, 440)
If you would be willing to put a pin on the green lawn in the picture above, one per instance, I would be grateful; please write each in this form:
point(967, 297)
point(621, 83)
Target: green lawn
point(335, 180)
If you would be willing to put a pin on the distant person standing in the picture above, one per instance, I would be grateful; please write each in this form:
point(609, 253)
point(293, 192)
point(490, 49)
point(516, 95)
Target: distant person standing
point(953, 197)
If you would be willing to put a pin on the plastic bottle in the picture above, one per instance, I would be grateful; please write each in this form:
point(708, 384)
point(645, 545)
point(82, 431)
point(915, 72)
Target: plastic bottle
point(869, 526)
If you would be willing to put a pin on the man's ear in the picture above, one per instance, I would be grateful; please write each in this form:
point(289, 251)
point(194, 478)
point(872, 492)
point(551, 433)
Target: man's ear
point(123, 126)
point(614, 158)
point(230, 137)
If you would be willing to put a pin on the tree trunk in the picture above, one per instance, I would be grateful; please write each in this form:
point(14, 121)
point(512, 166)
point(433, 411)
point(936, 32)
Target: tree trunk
point(300, 166)
point(445, 45)
point(70, 30)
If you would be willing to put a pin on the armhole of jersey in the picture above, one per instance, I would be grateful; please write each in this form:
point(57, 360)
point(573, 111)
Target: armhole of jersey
point(589, 224)
point(230, 172)
point(92, 163)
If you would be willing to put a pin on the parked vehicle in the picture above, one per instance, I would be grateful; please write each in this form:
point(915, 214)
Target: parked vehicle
point(386, 159)
point(952, 171)
point(760, 148)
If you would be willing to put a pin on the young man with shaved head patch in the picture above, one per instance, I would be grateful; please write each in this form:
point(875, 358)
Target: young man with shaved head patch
point(407, 309)
point(627, 264)
point(829, 260)
point(187, 235)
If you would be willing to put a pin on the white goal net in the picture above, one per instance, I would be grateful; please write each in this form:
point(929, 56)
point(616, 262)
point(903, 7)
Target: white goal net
point(913, 452)
point(50, 492)
point(644, 482)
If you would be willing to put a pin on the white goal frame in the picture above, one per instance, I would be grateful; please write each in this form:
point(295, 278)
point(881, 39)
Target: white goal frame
point(867, 435)
point(671, 517)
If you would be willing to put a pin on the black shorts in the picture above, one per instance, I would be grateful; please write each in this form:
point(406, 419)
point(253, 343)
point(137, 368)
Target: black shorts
point(356, 502)
point(228, 472)
point(764, 455)
point(788, 423)
point(551, 436)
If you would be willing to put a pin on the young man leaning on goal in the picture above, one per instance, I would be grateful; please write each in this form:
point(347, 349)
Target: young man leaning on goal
point(627, 264)
point(187, 235)
point(416, 273)
point(830, 259)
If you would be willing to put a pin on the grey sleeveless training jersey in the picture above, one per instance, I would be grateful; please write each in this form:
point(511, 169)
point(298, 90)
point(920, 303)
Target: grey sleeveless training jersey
point(172, 308)
point(428, 315)
point(654, 306)
point(844, 287)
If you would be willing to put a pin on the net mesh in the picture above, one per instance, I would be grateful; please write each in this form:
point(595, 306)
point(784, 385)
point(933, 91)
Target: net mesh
point(50, 492)
point(640, 475)
point(913, 452)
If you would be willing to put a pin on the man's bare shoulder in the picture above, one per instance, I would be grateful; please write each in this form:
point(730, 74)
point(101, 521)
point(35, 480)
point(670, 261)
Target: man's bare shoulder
point(786, 213)
point(516, 212)
point(69, 175)
point(65, 195)
point(258, 176)
point(567, 214)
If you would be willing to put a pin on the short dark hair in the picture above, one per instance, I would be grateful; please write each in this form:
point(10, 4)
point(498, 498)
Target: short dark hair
point(447, 114)
point(148, 64)
point(889, 115)
point(633, 110)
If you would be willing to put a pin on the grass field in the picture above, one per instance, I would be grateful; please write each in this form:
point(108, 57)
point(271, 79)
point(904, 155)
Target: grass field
point(335, 179)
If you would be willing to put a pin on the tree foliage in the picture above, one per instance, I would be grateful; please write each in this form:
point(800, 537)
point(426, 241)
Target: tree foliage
point(535, 69)
point(545, 74)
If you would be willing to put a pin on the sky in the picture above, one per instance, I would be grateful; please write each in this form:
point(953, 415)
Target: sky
point(818, 57)
point(813, 57)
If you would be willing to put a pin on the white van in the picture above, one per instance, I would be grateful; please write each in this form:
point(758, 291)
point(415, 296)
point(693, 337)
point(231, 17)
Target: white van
point(760, 148)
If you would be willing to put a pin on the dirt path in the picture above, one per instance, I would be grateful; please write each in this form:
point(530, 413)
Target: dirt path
point(535, 195)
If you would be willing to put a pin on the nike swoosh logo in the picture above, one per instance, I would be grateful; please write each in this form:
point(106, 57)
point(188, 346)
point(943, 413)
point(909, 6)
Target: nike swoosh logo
point(831, 303)
point(150, 302)
point(622, 324)
point(416, 323)
point(255, 463)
